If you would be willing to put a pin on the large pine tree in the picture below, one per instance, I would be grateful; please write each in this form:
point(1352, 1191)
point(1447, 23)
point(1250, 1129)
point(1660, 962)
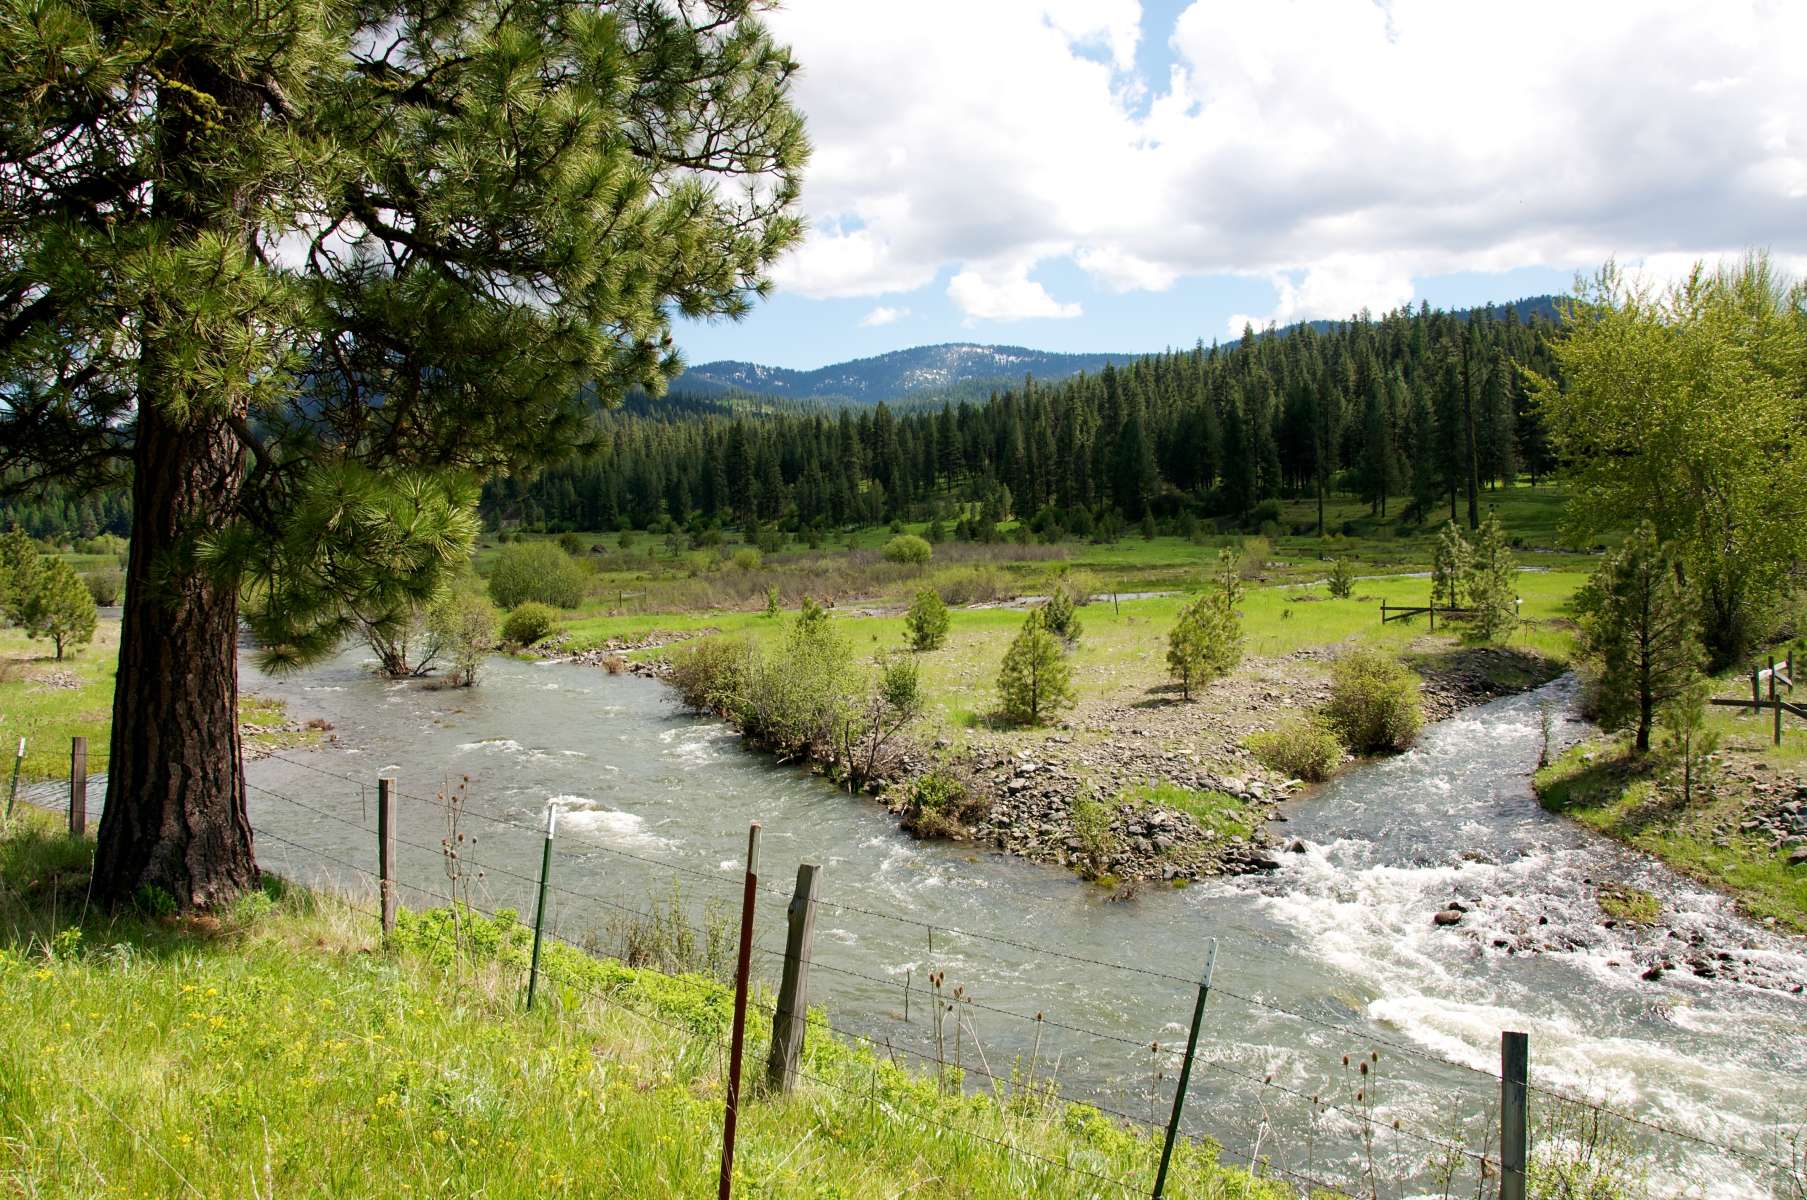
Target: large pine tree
point(287, 265)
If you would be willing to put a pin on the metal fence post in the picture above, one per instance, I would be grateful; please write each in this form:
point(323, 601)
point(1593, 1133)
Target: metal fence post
point(1179, 1094)
point(731, 1112)
point(385, 851)
point(13, 793)
point(539, 912)
point(78, 786)
point(1515, 1069)
point(790, 1018)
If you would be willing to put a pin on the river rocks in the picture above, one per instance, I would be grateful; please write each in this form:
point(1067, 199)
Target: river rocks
point(1448, 916)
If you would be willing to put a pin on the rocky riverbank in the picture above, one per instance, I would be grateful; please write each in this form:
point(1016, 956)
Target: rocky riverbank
point(1186, 799)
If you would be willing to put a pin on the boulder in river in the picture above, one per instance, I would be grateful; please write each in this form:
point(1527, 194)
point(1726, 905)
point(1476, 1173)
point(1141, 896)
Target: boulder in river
point(1448, 916)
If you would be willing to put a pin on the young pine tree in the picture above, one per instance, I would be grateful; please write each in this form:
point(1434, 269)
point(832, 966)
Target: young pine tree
point(1207, 639)
point(1060, 616)
point(1492, 584)
point(58, 605)
point(1450, 562)
point(1035, 680)
point(926, 623)
point(1639, 634)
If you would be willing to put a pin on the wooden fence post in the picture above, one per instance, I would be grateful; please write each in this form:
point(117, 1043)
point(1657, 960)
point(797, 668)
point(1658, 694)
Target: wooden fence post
point(385, 851)
point(1775, 699)
point(1179, 1094)
point(737, 1045)
point(13, 792)
point(1515, 1070)
point(1756, 689)
point(78, 786)
point(790, 1018)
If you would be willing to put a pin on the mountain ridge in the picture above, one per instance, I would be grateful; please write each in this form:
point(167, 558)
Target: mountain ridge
point(961, 370)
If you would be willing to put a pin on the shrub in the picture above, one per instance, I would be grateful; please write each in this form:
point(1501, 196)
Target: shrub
point(794, 698)
point(774, 602)
point(1302, 748)
point(1256, 551)
point(709, 675)
point(1342, 579)
point(908, 548)
point(1373, 702)
point(529, 622)
point(463, 622)
point(570, 543)
point(977, 586)
point(939, 804)
point(104, 585)
point(927, 622)
point(1092, 830)
point(1492, 585)
point(747, 558)
point(537, 571)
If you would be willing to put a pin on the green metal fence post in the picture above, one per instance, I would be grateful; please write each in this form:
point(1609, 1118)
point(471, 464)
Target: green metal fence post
point(539, 912)
point(1179, 1094)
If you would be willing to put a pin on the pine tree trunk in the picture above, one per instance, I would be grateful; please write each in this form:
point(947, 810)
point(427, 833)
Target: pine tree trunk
point(175, 816)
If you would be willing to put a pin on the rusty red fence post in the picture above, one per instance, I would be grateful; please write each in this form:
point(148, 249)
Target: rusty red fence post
point(737, 1044)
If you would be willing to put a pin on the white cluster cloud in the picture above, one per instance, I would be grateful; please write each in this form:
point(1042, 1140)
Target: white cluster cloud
point(884, 314)
point(1337, 148)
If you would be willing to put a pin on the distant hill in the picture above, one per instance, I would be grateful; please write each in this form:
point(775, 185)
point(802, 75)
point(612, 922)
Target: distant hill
point(949, 371)
point(952, 368)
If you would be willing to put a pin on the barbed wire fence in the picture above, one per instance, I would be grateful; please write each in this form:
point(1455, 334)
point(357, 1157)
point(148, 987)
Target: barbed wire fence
point(1344, 1137)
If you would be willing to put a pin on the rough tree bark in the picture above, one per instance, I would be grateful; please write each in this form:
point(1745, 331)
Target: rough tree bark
point(175, 816)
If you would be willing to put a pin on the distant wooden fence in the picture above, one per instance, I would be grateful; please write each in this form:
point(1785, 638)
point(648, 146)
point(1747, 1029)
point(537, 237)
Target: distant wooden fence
point(1774, 702)
point(1395, 612)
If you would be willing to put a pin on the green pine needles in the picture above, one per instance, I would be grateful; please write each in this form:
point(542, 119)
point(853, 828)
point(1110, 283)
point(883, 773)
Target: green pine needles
point(1035, 681)
point(1206, 641)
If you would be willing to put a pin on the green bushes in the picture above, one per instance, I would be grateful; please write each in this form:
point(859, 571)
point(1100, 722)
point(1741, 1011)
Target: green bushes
point(529, 623)
point(1060, 615)
point(926, 623)
point(908, 548)
point(1303, 748)
point(105, 585)
point(463, 623)
point(537, 571)
point(711, 674)
point(940, 804)
point(1373, 702)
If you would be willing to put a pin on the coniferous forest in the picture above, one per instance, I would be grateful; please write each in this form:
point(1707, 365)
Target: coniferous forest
point(1416, 413)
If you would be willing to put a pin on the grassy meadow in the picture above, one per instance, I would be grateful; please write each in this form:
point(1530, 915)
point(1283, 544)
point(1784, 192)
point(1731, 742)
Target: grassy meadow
point(281, 1048)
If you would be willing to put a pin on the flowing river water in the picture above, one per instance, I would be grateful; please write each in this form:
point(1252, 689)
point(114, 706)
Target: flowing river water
point(1333, 955)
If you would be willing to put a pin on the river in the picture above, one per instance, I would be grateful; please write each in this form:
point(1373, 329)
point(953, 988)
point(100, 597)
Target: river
point(1333, 955)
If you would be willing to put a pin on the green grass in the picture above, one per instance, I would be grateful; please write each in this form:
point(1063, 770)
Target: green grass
point(280, 1049)
point(1223, 815)
point(1608, 789)
point(1629, 905)
point(48, 702)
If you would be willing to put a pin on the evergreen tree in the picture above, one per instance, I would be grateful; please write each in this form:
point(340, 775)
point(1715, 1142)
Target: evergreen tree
point(1451, 563)
point(1639, 634)
point(464, 290)
point(56, 604)
point(1493, 584)
point(1035, 680)
point(926, 623)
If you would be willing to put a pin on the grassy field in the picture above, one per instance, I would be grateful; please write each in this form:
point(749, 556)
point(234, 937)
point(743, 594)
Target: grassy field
point(1602, 784)
point(281, 1049)
point(47, 702)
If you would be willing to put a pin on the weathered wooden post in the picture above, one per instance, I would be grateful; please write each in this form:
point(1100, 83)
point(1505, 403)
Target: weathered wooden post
point(790, 1018)
point(385, 851)
point(539, 910)
point(1756, 690)
point(1775, 700)
point(1515, 1070)
point(13, 792)
point(1433, 614)
point(78, 786)
point(1179, 1095)
point(737, 1044)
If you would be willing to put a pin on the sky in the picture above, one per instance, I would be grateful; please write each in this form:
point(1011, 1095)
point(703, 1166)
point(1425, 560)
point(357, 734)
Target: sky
point(1106, 175)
